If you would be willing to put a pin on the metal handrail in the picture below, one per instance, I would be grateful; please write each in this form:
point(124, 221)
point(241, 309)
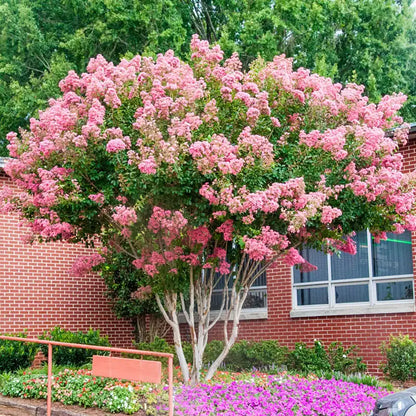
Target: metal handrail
point(96, 348)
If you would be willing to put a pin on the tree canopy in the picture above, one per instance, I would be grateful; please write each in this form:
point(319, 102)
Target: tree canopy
point(370, 42)
point(204, 171)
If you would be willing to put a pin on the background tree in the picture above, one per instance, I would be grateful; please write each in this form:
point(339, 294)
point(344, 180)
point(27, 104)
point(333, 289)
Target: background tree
point(40, 41)
point(206, 172)
point(371, 42)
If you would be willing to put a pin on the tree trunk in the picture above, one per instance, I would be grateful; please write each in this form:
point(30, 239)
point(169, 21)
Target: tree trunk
point(171, 316)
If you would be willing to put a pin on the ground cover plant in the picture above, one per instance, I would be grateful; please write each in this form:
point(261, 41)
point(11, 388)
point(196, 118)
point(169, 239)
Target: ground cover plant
point(226, 394)
point(277, 395)
point(204, 172)
point(79, 387)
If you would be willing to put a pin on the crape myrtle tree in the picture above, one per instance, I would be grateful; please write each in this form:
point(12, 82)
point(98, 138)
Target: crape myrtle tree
point(202, 171)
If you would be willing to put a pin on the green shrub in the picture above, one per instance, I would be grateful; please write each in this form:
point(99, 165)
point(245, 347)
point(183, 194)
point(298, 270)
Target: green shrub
point(400, 352)
point(308, 360)
point(269, 356)
point(74, 356)
point(158, 345)
point(317, 359)
point(212, 351)
point(15, 354)
point(345, 360)
point(248, 355)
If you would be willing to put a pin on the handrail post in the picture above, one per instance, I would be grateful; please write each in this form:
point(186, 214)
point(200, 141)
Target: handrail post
point(49, 397)
point(170, 383)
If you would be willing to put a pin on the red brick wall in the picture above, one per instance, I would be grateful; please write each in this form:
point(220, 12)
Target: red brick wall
point(365, 331)
point(37, 293)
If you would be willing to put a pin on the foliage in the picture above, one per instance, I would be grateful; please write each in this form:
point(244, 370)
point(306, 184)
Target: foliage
point(79, 387)
point(158, 345)
point(69, 355)
point(15, 354)
point(309, 360)
point(316, 359)
point(261, 355)
point(357, 378)
point(202, 172)
point(344, 360)
point(400, 354)
point(123, 280)
point(42, 40)
point(268, 356)
point(370, 42)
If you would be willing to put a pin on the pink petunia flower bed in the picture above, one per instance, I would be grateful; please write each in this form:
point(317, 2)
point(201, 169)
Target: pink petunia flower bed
point(274, 395)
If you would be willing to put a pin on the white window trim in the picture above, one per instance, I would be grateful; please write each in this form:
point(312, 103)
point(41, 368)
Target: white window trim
point(246, 315)
point(354, 308)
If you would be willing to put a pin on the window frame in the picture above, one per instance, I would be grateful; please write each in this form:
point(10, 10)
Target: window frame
point(352, 308)
point(248, 313)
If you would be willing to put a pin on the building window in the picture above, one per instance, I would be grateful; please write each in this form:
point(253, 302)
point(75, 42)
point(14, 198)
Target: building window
point(378, 277)
point(256, 297)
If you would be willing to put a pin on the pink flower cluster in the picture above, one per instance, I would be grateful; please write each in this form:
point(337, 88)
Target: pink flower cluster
point(267, 245)
point(218, 153)
point(85, 264)
point(124, 215)
point(170, 224)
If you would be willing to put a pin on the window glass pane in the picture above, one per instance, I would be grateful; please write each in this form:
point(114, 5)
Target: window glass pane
point(394, 255)
point(351, 293)
point(395, 290)
point(256, 298)
point(317, 296)
point(348, 266)
point(216, 300)
point(316, 258)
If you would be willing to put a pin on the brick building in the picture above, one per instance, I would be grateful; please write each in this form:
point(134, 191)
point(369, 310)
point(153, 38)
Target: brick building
point(37, 292)
point(357, 300)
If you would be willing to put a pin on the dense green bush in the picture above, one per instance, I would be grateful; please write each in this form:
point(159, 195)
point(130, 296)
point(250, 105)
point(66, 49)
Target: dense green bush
point(308, 360)
point(316, 358)
point(74, 356)
point(269, 356)
point(400, 352)
point(345, 360)
point(159, 345)
point(262, 355)
point(15, 354)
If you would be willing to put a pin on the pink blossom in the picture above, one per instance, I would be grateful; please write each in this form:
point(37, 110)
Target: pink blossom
point(148, 166)
point(200, 235)
point(124, 215)
point(85, 264)
point(226, 229)
point(115, 146)
point(293, 257)
point(329, 214)
point(98, 198)
point(142, 293)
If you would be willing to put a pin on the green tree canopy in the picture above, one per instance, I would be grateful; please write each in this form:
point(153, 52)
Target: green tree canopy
point(371, 42)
